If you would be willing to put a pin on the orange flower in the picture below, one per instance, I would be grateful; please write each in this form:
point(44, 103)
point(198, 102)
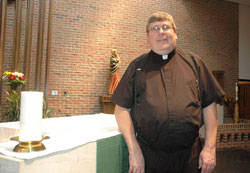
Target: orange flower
point(22, 77)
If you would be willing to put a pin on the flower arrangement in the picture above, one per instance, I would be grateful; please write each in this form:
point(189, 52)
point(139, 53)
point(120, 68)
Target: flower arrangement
point(13, 79)
point(12, 111)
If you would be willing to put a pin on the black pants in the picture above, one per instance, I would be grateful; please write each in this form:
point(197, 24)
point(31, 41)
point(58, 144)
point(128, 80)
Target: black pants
point(184, 161)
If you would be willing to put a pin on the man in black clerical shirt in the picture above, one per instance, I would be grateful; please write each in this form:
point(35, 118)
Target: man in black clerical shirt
point(174, 96)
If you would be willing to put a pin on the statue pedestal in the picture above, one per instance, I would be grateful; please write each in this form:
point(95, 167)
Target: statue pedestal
point(107, 106)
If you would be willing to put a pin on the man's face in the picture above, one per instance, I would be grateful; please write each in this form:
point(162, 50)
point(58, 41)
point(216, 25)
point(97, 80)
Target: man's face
point(162, 37)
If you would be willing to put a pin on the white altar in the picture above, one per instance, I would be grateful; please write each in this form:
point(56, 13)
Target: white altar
point(72, 147)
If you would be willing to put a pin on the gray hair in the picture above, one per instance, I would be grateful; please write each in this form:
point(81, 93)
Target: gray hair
point(160, 17)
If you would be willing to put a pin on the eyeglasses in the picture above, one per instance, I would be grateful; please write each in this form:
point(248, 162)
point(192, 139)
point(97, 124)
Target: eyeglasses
point(157, 28)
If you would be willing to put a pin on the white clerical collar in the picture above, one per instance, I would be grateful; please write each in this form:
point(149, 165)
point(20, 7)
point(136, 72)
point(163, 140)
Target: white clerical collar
point(164, 57)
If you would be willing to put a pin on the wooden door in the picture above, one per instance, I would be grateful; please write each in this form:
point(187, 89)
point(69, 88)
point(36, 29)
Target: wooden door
point(244, 100)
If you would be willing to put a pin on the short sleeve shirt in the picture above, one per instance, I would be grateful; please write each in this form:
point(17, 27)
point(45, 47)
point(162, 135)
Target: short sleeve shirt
point(168, 105)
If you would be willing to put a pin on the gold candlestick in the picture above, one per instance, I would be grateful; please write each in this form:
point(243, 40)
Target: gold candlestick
point(236, 106)
point(29, 146)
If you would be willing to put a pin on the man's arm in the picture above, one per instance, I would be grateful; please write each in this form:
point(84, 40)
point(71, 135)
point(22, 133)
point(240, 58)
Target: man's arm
point(136, 160)
point(207, 160)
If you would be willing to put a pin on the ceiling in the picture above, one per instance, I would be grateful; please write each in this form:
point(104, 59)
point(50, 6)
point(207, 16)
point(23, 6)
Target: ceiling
point(243, 2)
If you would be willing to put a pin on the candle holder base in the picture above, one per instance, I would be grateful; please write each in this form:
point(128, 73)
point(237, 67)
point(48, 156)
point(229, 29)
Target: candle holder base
point(29, 146)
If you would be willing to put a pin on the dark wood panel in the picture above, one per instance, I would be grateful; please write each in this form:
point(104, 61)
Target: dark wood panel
point(244, 100)
point(17, 34)
point(40, 40)
point(28, 41)
point(2, 43)
point(48, 51)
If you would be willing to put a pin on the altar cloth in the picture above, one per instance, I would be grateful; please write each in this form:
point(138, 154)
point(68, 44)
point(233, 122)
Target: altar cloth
point(65, 133)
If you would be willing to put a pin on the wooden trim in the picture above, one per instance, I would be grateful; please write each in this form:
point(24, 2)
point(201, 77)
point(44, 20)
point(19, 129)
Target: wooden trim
point(28, 41)
point(17, 34)
point(2, 43)
point(40, 45)
point(48, 50)
point(243, 82)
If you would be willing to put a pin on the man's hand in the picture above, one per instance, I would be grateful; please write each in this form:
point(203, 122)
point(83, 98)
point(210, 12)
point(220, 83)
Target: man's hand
point(136, 162)
point(136, 159)
point(207, 160)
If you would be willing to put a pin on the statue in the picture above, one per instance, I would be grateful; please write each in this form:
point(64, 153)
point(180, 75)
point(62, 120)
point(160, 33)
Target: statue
point(114, 71)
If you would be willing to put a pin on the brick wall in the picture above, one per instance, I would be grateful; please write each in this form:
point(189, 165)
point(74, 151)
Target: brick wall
point(85, 31)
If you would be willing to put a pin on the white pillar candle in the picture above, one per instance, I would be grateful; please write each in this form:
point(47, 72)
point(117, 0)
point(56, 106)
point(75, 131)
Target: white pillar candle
point(31, 113)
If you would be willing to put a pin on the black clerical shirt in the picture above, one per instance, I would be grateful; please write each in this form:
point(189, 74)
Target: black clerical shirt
point(168, 109)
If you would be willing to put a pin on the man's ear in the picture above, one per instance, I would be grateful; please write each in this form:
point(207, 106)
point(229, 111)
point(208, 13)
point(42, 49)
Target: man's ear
point(175, 34)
